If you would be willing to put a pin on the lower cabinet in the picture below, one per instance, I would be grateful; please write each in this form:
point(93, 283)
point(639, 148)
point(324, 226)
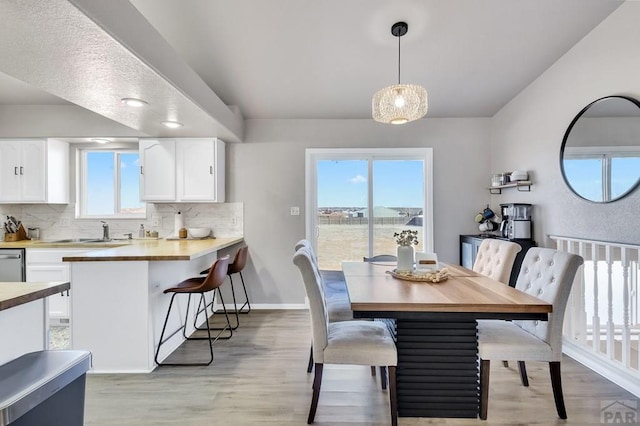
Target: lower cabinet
point(47, 265)
point(469, 245)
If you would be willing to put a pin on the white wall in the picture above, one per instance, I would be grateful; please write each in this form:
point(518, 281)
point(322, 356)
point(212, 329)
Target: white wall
point(527, 132)
point(267, 174)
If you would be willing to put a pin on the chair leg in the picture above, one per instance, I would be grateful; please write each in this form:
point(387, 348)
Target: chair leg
point(220, 330)
point(484, 387)
point(246, 296)
point(373, 371)
point(556, 384)
point(383, 377)
point(317, 381)
point(310, 365)
point(393, 402)
point(523, 373)
point(183, 327)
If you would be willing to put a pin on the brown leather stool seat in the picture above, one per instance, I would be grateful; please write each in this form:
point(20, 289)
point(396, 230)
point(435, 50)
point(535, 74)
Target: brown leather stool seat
point(239, 262)
point(198, 285)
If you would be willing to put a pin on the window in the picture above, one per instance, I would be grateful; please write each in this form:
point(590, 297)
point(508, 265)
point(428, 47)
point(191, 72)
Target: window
point(108, 184)
point(358, 198)
point(602, 173)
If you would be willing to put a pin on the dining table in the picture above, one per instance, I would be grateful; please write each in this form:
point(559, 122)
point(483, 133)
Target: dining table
point(435, 328)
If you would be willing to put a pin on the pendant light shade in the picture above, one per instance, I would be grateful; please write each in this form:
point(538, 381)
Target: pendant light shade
point(399, 103)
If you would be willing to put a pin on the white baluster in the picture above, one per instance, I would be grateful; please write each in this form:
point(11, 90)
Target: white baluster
point(626, 331)
point(580, 311)
point(610, 323)
point(596, 314)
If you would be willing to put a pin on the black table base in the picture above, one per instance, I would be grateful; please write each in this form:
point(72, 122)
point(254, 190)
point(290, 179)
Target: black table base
point(437, 373)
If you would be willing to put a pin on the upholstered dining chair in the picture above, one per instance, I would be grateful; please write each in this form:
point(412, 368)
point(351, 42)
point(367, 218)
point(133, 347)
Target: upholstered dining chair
point(495, 259)
point(548, 275)
point(343, 342)
point(334, 290)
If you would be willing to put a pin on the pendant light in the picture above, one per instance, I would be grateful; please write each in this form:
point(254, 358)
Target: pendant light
point(399, 103)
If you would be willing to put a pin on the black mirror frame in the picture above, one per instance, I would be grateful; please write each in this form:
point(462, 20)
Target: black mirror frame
point(564, 142)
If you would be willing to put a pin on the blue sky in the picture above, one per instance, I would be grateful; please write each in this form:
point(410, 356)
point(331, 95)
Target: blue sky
point(397, 183)
point(585, 176)
point(100, 179)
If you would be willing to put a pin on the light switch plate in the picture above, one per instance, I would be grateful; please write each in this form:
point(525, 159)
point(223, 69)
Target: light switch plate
point(64, 222)
point(295, 211)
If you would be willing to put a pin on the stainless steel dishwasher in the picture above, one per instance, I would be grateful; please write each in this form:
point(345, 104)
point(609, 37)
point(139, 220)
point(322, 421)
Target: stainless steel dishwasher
point(12, 265)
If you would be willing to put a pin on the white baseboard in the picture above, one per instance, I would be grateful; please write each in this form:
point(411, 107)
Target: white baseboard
point(603, 366)
point(269, 306)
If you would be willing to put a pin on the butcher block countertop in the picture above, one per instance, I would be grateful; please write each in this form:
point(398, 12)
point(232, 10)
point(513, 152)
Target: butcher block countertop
point(150, 250)
point(18, 293)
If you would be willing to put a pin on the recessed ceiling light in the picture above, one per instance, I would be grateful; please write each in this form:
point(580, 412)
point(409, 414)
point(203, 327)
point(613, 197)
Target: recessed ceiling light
point(133, 102)
point(172, 124)
point(99, 140)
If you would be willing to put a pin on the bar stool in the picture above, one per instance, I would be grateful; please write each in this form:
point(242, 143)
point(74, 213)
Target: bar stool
point(197, 285)
point(239, 262)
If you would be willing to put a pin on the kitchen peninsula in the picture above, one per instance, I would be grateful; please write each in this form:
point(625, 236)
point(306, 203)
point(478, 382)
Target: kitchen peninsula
point(117, 301)
point(23, 317)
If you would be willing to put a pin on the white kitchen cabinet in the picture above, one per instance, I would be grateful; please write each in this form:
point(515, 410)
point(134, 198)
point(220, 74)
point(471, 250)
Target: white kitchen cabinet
point(34, 171)
point(182, 170)
point(157, 169)
point(47, 265)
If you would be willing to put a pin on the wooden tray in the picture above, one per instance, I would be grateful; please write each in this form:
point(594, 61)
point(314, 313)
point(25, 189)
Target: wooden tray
point(423, 277)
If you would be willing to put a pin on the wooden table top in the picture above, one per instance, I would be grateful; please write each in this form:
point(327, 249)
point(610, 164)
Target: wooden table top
point(18, 293)
point(372, 289)
point(155, 250)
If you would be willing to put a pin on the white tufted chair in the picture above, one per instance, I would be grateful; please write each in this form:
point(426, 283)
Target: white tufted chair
point(343, 342)
point(548, 275)
point(495, 259)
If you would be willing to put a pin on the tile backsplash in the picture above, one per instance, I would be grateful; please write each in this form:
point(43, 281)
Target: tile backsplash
point(226, 220)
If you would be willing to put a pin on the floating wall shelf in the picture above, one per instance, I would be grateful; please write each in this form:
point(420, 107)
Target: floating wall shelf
point(521, 185)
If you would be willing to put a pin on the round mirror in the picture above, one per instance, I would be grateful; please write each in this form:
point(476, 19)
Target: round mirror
point(600, 154)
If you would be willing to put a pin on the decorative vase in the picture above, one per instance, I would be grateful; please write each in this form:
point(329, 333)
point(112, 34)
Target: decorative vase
point(405, 258)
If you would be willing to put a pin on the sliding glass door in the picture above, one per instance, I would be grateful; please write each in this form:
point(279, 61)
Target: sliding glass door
point(358, 198)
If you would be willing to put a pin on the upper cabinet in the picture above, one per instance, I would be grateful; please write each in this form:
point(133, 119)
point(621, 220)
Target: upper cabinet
point(34, 171)
point(182, 170)
point(157, 169)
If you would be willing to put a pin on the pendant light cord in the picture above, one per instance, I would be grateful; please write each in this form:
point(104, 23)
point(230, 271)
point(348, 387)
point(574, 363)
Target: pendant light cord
point(399, 58)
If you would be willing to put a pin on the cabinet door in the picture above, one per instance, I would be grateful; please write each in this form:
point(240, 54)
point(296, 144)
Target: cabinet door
point(9, 171)
point(58, 303)
point(33, 171)
point(157, 170)
point(196, 170)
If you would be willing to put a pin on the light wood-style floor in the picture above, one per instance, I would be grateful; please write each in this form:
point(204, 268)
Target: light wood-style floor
point(259, 378)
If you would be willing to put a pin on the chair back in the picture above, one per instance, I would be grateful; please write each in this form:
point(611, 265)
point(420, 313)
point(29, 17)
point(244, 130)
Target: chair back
point(303, 259)
point(307, 244)
point(216, 275)
point(381, 258)
point(548, 275)
point(495, 259)
point(239, 261)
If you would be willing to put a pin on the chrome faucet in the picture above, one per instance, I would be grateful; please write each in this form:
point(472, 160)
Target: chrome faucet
point(105, 230)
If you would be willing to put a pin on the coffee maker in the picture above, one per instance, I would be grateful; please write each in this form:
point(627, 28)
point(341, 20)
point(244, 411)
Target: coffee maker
point(516, 221)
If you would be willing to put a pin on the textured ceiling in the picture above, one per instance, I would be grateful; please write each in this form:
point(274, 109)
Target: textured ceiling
point(278, 58)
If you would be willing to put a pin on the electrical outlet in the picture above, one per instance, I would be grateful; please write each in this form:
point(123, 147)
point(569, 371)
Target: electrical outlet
point(295, 211)
point(234, 220)
point(156, 220)
point(64, 222)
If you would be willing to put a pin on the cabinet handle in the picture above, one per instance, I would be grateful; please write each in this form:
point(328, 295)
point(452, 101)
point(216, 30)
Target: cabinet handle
point(141, 170)
point(15, 170)
point(21, 170)
point(210, 170)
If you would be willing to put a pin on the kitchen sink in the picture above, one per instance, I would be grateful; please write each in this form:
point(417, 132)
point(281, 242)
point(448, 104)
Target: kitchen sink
point(78, 240)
